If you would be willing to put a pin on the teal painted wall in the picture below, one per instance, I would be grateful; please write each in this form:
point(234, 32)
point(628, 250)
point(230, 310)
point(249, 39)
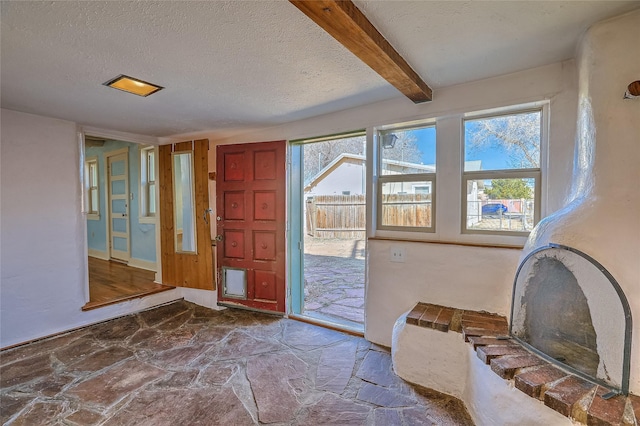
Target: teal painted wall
point(142, 235)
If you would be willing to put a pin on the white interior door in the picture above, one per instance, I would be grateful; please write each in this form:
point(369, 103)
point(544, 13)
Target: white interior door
point(118, 188)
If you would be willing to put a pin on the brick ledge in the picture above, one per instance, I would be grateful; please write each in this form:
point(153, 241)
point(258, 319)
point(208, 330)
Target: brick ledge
point(563, 392)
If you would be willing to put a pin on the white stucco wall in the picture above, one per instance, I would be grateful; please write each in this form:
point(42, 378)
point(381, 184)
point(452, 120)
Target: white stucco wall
point(42, 243)
point(473, 277)
point(602, 218)
point(443, 361)
point(478, 278)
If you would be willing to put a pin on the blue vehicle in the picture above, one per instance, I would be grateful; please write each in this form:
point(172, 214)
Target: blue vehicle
point(494, 209)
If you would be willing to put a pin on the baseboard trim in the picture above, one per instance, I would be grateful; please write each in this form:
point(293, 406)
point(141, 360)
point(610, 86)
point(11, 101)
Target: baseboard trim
point(206, 298)
point(98, 254)
point(143, 264)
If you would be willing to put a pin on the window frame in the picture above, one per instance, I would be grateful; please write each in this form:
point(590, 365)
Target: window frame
point(523, 173)
point(89, 161)
point(145, 216)
point(413, 177)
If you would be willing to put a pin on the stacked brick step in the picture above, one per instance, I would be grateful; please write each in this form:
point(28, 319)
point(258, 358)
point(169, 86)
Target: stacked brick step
point(563, 392)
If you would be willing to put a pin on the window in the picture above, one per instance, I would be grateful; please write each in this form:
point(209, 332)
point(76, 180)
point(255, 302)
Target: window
point(148, 184)
point(406, 179)
point(92, 188)
point(501, 177)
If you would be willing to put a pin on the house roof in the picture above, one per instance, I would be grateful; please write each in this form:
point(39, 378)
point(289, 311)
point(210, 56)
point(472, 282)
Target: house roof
point(232, 66)
point(474, 165)
point(326, 171)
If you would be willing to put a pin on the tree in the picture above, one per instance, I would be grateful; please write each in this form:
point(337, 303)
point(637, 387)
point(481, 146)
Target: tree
point(405, 149)
point(518, 135)
point(508, 189)
point(317, 155)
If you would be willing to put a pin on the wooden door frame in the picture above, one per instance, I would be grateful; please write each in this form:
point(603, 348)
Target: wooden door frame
point(124, 137)
point(174, 262)
point(107, 155)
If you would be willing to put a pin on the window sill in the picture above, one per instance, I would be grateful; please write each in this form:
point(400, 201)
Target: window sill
point(92, 216)
point(147, 219)
point(449, 242)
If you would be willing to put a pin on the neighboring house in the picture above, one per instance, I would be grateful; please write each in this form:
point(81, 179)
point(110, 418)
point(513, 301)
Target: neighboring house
point(346, 175)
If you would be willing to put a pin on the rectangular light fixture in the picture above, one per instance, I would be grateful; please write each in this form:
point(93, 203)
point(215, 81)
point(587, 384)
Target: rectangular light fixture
point(133, 85)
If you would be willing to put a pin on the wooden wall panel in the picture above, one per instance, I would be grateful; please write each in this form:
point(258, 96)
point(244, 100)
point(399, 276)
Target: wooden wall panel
point(186, 269)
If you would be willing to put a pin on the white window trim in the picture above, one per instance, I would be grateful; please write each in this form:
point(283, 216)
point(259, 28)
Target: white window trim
point(421, 177)
point(143, 196)
point(87, 187)
point(535, 174)
point(450, 159)
point(381, 179)
point(538, 174)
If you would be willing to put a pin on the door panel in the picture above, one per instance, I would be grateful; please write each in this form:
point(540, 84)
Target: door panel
point(250, 195)
point(118, 184)
point(179, 267)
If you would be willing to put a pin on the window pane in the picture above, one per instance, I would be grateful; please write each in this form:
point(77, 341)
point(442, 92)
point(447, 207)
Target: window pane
point(152, 199)
point(408, 151)
point(406, 204)
point(151, 166)
point(93, 200)
point(504, 142)
point(501, 204)
point(93, 174)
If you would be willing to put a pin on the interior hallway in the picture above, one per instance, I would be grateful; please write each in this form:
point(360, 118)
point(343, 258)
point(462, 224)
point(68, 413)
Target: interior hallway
point(182, 364)
point(112, 282)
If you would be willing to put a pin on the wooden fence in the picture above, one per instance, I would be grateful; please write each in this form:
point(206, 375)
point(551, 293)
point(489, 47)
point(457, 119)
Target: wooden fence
point(336, 216)
point(406, 210)
point(344, 216)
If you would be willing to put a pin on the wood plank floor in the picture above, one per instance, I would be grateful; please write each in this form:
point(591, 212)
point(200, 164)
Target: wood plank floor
point(113, 282)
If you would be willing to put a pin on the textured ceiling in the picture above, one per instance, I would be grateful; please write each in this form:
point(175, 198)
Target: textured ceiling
point(453, 42)
point(235, 65)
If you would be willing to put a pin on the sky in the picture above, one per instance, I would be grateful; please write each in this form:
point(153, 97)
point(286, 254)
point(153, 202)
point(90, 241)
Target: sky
point(493, 156)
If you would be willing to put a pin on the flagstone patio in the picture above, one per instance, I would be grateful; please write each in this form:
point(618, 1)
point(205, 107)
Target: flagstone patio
point(334, 272)
point(182, 364)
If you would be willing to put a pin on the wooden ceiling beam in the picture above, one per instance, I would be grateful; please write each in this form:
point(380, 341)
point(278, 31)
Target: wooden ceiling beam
point(347, 24)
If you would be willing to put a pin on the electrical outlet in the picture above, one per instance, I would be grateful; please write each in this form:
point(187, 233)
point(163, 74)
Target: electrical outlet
point(397, 254)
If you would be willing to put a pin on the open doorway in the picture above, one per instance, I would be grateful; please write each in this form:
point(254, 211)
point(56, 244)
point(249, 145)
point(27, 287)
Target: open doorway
point(330, 206)
point(120, 200)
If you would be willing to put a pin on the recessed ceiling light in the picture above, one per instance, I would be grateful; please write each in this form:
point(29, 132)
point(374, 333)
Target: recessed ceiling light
point(133, 85)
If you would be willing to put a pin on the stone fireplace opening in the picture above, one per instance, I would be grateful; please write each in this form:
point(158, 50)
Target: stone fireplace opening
point(570, 310)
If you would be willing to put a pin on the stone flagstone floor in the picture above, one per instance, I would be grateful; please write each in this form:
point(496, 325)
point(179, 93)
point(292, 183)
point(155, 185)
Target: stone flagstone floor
point(182, 364)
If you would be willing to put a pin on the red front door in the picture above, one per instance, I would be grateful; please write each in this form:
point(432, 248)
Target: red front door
point(250, 204)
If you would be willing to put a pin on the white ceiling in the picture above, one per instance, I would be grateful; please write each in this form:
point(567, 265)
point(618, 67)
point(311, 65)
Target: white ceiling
point(235, 65)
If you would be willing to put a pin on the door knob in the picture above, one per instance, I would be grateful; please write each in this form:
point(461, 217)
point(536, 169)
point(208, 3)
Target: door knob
point(218, 237)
